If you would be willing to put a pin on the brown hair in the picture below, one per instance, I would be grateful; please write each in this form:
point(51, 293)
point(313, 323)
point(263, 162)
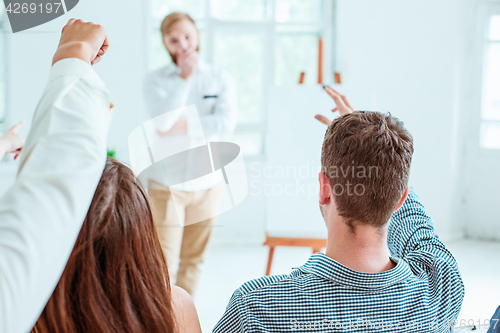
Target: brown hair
point(116, 278)
point(173, 18)
point(368, 153)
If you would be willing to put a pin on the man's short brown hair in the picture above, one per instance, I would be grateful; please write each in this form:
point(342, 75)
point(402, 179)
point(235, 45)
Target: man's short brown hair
point(173, 18)
point(366, 157)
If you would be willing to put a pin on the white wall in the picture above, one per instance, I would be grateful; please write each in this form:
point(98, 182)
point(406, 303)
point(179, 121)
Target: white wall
point(409, 52)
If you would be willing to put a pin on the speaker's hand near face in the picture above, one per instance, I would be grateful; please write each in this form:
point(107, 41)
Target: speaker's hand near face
point(187, 62)
point(341, 102)
point(83, 40)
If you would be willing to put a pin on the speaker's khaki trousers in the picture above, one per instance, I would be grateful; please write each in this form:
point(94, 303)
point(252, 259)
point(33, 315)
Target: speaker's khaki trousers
point(184, 240)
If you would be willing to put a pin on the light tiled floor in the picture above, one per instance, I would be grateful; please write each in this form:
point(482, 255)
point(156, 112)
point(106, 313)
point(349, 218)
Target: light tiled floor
point(227, 267)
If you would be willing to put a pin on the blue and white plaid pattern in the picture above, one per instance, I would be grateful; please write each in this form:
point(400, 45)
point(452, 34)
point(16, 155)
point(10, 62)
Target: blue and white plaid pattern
point(423, 293)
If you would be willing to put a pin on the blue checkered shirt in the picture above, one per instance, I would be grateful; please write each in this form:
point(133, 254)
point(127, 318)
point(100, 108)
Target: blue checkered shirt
point(422, 293)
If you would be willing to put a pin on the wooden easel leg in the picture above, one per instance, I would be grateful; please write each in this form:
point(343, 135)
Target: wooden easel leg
point(270, 260)
point(316, 250)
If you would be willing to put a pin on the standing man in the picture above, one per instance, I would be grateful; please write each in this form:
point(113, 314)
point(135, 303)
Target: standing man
point(187, 81)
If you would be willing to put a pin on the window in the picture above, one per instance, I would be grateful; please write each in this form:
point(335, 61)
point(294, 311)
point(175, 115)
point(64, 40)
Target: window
point(490, 110)
point(260, 43)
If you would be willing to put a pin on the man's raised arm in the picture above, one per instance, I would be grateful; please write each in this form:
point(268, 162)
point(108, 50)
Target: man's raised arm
point(62, 161)
point(411, 237)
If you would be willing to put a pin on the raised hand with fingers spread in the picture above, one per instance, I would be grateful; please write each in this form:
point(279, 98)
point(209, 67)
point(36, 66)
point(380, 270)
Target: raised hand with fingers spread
point(11, 142)
point(342, 105)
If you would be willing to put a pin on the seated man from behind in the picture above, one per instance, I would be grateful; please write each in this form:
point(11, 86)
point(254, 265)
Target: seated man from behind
point(375, 275)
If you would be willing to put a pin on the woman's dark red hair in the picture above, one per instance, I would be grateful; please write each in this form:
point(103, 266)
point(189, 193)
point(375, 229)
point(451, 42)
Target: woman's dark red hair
point(116, 279)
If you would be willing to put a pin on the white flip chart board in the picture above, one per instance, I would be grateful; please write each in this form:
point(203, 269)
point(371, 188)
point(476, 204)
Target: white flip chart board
point(293, 149)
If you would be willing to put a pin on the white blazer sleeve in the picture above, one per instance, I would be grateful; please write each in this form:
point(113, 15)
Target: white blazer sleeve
point(41, 215)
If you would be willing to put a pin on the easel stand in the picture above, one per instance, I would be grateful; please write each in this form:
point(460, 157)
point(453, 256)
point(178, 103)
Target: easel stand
point(315, 243)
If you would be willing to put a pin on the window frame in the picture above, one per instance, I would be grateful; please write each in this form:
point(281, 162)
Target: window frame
point(268, 29)
point(487, 9)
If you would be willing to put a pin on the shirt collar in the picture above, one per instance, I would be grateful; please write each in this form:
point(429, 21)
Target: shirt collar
point(325, 267)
